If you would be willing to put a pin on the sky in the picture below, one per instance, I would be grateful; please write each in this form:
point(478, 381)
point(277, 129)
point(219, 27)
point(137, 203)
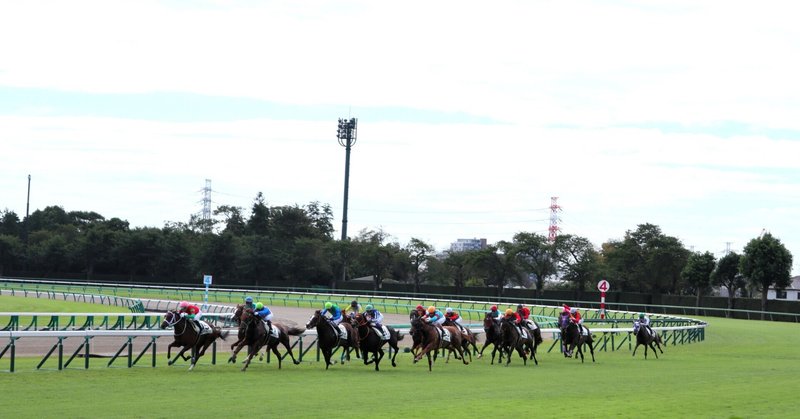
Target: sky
point(471, 115)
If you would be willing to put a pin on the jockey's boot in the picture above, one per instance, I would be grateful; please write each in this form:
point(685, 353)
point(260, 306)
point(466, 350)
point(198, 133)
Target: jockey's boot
point(199, 326)
point(269, 327)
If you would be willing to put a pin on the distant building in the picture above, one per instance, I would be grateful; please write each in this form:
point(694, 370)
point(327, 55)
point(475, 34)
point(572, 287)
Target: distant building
point(463, 245)
point(792, 292)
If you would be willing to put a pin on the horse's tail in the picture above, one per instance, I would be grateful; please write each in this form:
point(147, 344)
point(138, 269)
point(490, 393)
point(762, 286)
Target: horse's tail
point(224, 334)
point(295, 331)
point(400, 336)
point(537, 337)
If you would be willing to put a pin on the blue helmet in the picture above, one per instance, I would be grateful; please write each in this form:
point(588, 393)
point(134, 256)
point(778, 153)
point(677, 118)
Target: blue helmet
point(369, 307)
point(248, 299)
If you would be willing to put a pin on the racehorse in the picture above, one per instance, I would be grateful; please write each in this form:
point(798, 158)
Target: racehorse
point(372, 341)
point(329, 337)
point(643, 337)
point(468, 338)
point(256, 336)
point(432, 340)
point(187, 337)
point(494, 336)
point(572, 337)
point(513, 339)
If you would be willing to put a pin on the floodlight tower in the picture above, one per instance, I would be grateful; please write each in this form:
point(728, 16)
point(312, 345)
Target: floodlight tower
point(346, 134)
point(553, 230)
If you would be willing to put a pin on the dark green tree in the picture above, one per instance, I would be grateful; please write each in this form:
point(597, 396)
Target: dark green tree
point(418, 252)
point(578, 261)
point(497, 265)
point(697, 273)
point(534, 254)
point(10, 252)
point(726, 274)
point(766, 262)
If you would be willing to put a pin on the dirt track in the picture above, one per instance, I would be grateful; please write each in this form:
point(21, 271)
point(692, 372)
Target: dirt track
point(108, 346)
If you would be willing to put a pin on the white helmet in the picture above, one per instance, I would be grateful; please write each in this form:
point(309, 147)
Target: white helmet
point(573, 310)
point(449, 310)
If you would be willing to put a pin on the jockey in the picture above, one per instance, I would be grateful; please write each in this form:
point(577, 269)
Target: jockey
point(645, 321)
point(514, 317)
point(191, 312)
point(495, 313)
point(335, 312)
point(575, 317)
point(353, 309)
point(524, 314)
point(375, 318)
point(248, 303)
point(450, 314)
point(435, 316)
point(265, 314)
point(421, 311)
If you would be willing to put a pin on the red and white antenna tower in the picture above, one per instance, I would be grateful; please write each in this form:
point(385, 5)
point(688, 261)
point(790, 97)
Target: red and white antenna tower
point(554, 209)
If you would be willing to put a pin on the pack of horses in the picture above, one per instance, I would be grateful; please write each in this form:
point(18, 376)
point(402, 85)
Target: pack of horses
point(356, 334)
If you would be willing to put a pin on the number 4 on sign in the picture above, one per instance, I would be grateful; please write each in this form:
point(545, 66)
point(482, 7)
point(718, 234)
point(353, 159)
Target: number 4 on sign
point(603, 286)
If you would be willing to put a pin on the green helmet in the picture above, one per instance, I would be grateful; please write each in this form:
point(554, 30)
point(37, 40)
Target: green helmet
point(369, 307)
point(259, 305)
point(328, 305)
point(641, 315)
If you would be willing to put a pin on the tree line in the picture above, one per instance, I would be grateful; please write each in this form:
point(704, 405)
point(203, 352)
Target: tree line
point(295, 245)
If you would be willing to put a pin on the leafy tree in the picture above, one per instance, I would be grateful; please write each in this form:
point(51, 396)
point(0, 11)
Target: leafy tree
point(234, 222)
point(727, 274)
point(535, 255)
point(321, 218)
point(766, 262)
point(646, 260)
point(259, 223)
point(419, 252)
point(48, 219)
point(9, 223)
point(496, 263)
point(10, 250)
point(459, 267)
point(374, 256)
point(578, 260)
point(697, 273)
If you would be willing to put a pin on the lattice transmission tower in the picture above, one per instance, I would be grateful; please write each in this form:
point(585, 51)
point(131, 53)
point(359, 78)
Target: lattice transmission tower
point(206, 214)
point(554, 229)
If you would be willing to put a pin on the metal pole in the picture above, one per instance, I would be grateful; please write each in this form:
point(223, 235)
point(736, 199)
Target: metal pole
point(346, 134)
point(27, 212)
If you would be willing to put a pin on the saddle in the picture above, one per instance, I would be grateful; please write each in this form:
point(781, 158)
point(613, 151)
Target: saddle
point(274, 331)
point(205, 328)
point(383, 332)
point(444, 334)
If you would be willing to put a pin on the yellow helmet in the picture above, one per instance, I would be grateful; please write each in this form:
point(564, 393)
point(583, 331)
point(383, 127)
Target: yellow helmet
point(431, 309)
point(509, 312)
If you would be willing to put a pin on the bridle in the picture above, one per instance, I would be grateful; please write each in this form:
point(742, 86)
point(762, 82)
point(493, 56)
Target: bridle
point(173, 315)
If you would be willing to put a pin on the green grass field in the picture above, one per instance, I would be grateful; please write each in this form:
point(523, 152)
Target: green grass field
point(745, 369)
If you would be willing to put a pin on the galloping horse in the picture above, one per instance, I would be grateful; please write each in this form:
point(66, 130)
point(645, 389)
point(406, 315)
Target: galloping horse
point(256, 336)
point(188, 338)
point(643, 337)
point(494, 336)
point(572, 338)
point(372, 342)
point(432, 340)
point(329, 337)
point(468, 338)
point(513, 339)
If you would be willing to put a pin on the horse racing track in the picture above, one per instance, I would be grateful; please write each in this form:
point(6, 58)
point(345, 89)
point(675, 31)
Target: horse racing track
point(742, 369)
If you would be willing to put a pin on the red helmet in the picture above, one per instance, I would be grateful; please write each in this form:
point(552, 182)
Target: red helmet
point(420, 307)
point(494, 308)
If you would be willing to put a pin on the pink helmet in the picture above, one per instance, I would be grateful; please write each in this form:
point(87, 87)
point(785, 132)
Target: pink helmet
point(183, 304)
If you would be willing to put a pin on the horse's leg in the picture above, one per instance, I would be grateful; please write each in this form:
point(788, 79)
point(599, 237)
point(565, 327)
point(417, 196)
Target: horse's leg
point(327, 353)
point(378, 359)
point(252, 350)
point(636, 347)
point(285, 343)
point(590, 342)
point(240, 344)
point(653, 347)
point(480, 352)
